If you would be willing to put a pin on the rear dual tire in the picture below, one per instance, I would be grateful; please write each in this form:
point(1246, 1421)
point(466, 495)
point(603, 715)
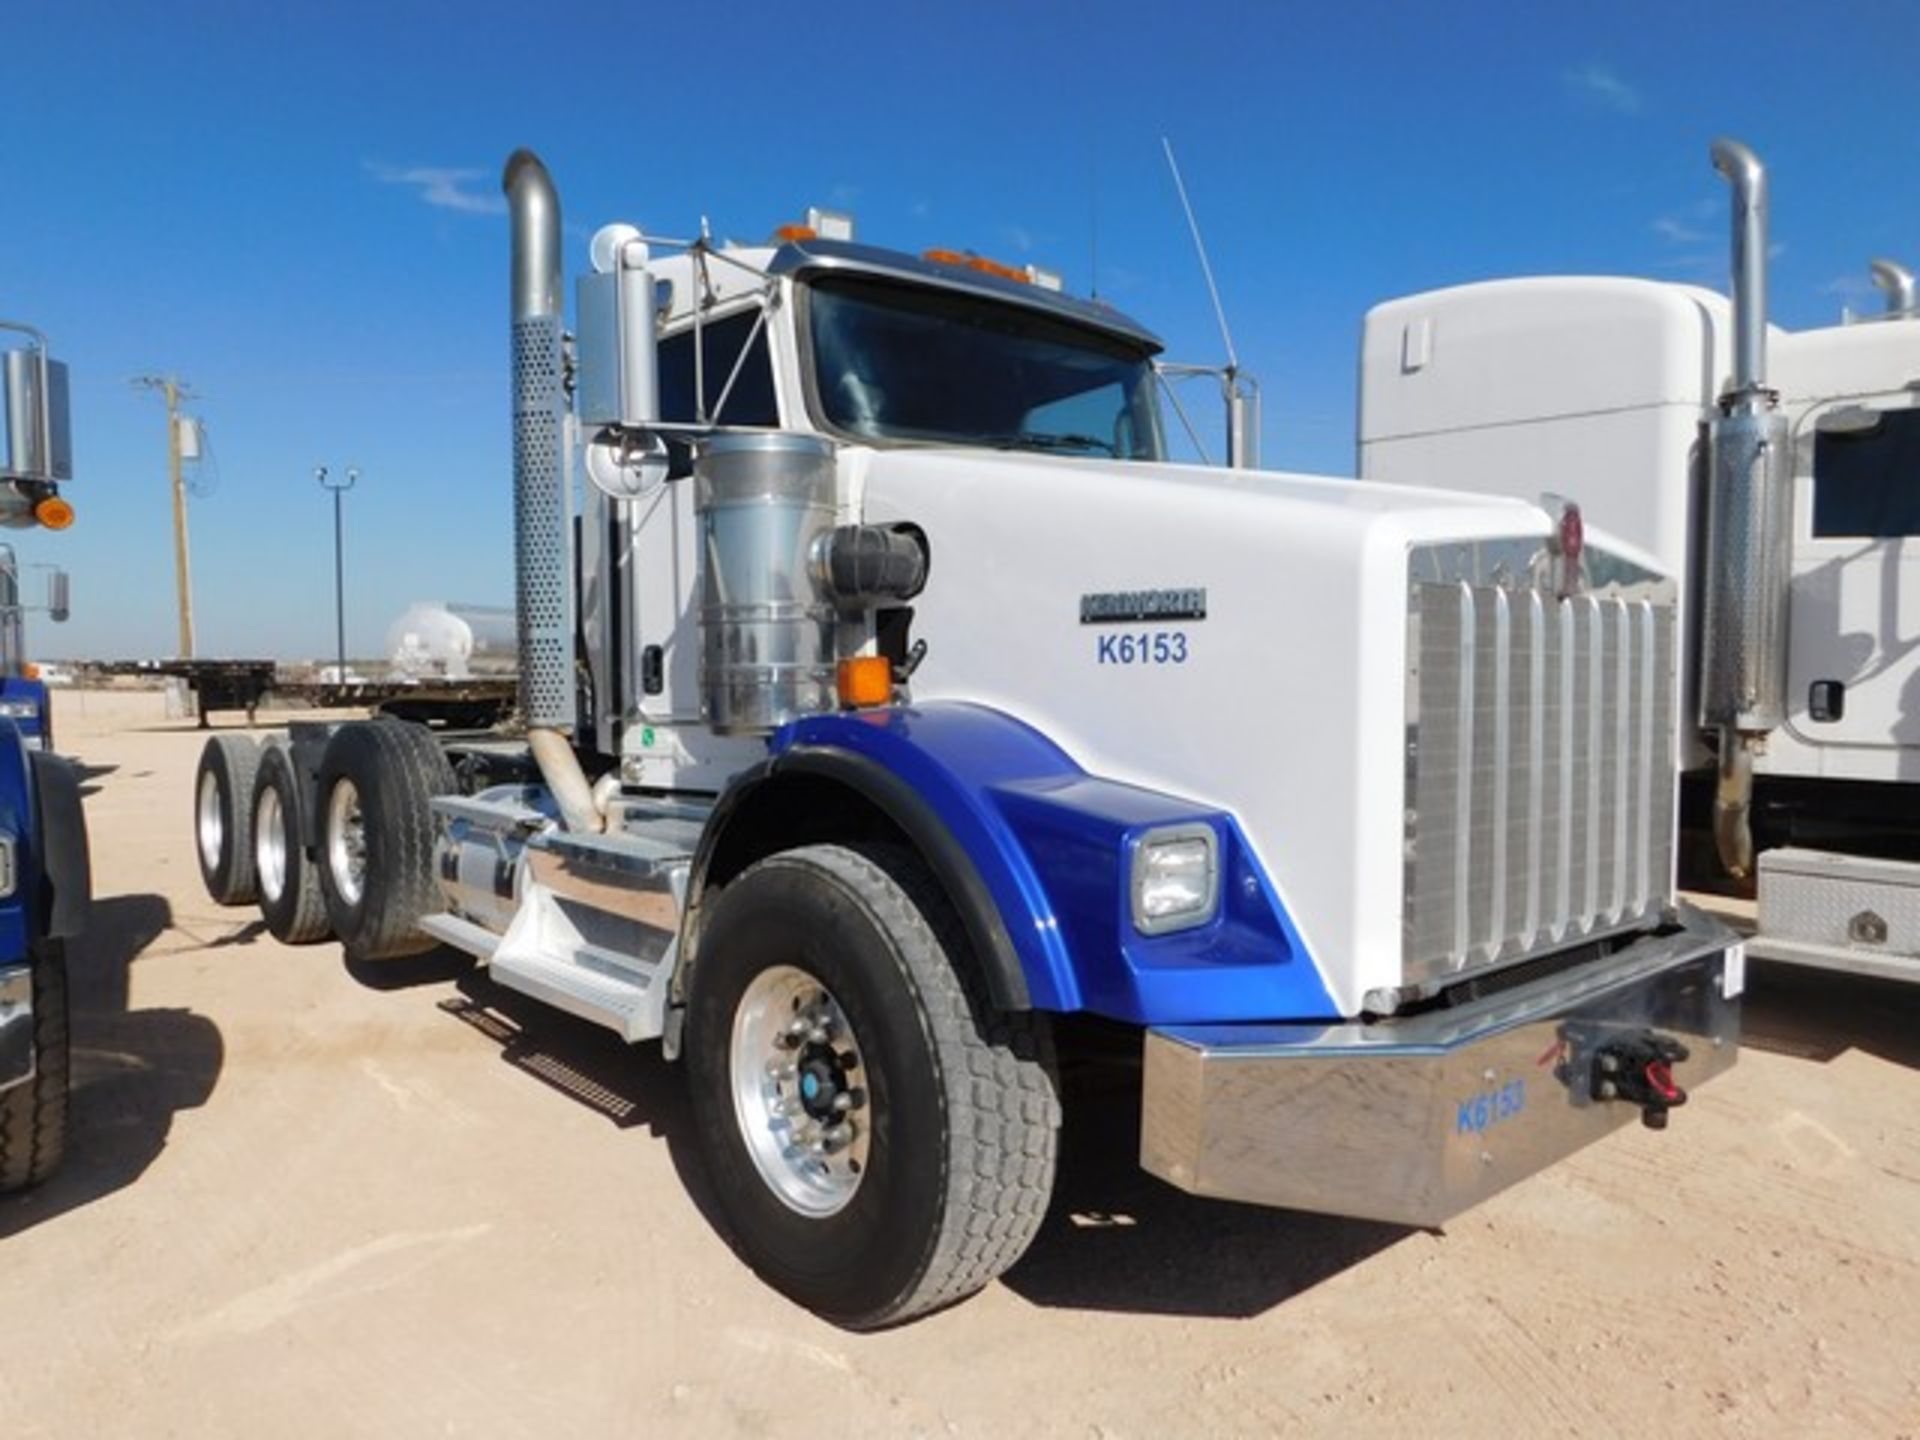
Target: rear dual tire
point(285, 875)
point(375, 862)
point(223, 817)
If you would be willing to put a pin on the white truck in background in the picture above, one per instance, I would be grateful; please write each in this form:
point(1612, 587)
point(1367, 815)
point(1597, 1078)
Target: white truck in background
point(893, 701)
point(1777, 473)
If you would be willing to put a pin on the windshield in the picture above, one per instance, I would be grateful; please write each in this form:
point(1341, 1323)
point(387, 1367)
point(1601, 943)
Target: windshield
point(911, 362)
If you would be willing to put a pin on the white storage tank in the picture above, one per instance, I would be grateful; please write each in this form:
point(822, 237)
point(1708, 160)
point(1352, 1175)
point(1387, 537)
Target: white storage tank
point(436, 639)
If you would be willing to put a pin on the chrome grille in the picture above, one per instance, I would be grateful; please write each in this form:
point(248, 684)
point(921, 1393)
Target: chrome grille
point(1539, 758)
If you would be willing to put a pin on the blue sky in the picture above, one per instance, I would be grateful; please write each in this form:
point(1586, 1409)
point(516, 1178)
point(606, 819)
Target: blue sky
point(293, 208)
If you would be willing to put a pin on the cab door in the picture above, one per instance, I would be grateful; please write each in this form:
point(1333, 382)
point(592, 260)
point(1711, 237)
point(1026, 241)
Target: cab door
point(1854, 628)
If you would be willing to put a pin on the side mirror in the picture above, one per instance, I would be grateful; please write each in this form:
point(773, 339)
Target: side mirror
point(57, 595)
point(38, 440)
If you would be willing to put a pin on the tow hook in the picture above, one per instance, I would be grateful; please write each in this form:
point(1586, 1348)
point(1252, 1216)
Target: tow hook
point(1638, 1068)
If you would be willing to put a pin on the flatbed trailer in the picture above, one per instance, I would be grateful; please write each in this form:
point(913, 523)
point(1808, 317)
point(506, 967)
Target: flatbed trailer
point(471, 704)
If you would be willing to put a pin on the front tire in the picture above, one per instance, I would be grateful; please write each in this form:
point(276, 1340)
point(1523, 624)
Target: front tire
point(223, 817)
point(881, 1143)
point(376, 835)
point(33, 1116)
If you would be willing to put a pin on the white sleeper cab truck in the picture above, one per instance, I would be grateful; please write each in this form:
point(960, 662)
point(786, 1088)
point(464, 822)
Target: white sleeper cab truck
point(1777, 475)
point(891, 696)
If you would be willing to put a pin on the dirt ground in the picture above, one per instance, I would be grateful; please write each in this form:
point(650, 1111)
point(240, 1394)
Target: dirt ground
point(303, 1201)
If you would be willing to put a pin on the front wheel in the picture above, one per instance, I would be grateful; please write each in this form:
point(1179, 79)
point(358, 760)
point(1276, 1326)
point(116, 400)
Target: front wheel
point(881, 1143)
point(33, 1115)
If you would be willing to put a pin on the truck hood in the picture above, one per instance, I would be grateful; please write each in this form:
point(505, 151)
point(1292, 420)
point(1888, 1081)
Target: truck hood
point(1285, 705)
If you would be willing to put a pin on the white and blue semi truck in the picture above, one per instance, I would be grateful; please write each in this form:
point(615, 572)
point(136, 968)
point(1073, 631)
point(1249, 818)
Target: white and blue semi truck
point(45, 884)
point(889, 695)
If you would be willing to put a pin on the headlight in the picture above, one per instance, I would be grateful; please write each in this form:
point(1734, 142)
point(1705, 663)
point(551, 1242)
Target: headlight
point(18, 709)
point(1176, 878)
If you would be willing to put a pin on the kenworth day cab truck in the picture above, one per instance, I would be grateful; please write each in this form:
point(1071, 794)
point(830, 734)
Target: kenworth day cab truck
point(1776, 475)
point(45, 884)
point(893, 696)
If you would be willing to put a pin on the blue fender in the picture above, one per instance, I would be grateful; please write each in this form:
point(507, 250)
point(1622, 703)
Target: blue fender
point(17, 821)
point(1049, 848)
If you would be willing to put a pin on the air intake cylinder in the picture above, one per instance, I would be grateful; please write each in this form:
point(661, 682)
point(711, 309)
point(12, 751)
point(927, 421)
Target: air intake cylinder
point(764, 502)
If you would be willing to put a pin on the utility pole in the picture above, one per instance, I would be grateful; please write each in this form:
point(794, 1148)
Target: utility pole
point(174, 392)
point(338, 488)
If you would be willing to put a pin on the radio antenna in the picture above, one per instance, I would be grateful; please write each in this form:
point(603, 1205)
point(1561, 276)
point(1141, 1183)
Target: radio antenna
point(1093, 224)
point(1200, 247)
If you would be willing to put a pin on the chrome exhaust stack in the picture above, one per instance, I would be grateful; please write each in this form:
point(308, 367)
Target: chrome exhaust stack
point(1896, 281)
point(1243, 420)
point(1743, 636)
point(542, 525)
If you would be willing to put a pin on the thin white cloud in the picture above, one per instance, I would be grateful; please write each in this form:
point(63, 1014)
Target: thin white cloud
point(443, 187)
point(1019, 237)
point(1600, 85)
point(1678, 232)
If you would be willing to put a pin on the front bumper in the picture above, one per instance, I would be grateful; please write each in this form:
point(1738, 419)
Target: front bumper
point(16, 1026)
point(1413, 1121)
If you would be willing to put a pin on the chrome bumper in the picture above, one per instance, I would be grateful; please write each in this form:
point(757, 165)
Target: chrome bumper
point(16, 1026)
point(1413, 1121)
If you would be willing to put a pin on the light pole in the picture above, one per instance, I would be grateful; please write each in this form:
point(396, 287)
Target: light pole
point(338, 488)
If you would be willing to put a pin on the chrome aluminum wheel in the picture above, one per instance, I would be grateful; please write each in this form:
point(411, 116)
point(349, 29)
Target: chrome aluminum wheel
point(799, 1093)
point(209, 825)
point(346, 842)
point(270, 845)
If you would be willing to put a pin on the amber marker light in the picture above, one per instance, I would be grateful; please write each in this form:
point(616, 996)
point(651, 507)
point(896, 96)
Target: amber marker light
point(866, 680)
point(976, 262)
point(53, 512)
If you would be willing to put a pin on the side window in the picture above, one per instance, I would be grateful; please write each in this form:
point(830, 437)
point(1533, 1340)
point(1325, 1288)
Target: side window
point(1866, 474)
point(750, 402)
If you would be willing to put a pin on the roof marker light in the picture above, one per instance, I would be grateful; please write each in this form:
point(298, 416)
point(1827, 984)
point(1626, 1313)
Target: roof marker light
point(829, 224)
point(967, 260)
